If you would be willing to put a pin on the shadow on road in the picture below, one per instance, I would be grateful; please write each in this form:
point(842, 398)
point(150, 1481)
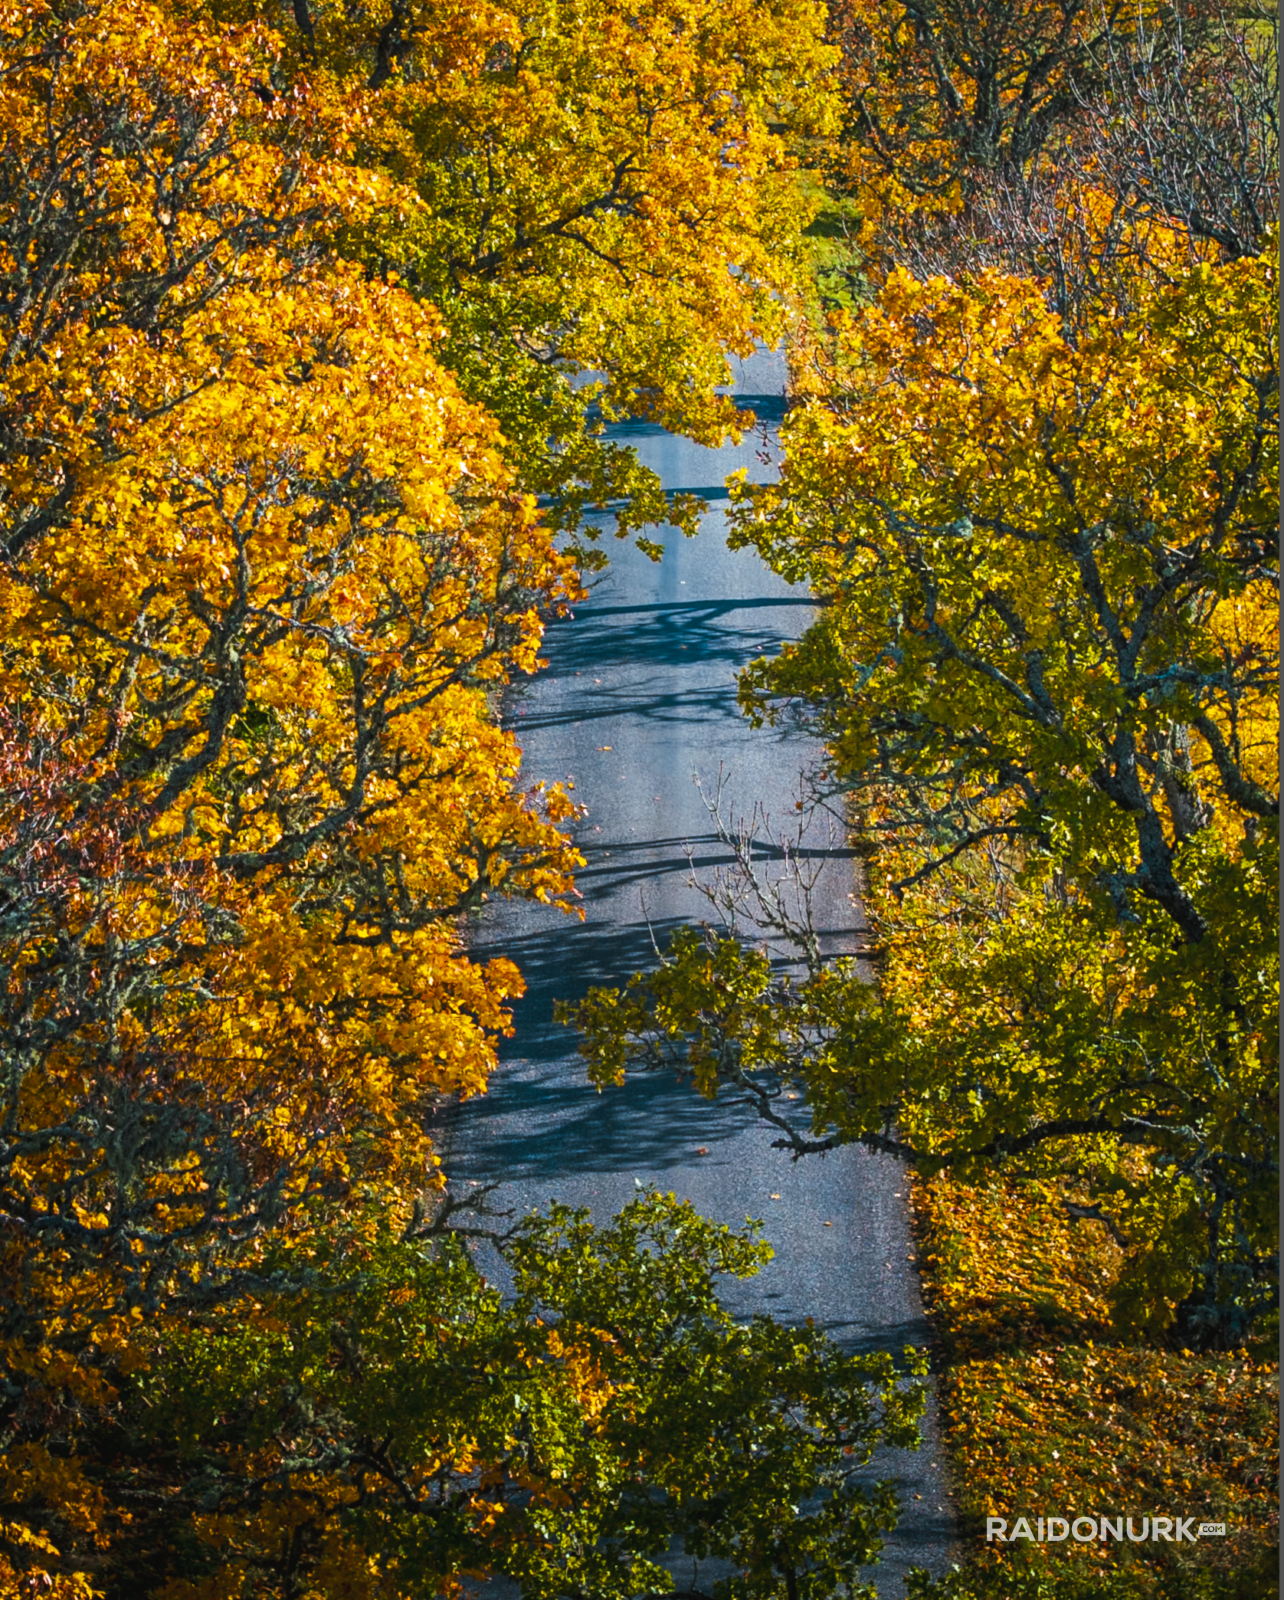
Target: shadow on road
point(673, 634)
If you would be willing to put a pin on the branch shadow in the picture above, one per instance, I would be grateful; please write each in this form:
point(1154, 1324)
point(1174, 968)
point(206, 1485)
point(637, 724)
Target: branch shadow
point(672, 633)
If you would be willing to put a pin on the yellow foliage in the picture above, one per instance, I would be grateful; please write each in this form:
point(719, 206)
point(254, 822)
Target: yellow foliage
point(1049, 1416)
point(264, 572)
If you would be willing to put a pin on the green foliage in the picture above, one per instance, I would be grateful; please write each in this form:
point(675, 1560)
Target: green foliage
point(611, 1410)
point(1045, 672)
point(837, 258)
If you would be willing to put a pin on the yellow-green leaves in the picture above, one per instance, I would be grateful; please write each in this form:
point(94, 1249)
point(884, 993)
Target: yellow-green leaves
point(1045, 668)
point(596, 189)
point(1034, 550)
point(418, 1426)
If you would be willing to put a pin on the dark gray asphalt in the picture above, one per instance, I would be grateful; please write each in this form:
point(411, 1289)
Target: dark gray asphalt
point(638, 699)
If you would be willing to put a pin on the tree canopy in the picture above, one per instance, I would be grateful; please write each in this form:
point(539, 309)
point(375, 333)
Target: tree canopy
point(597, 191)
point(392, 1426)
point(310, 326)
point(1038, 510)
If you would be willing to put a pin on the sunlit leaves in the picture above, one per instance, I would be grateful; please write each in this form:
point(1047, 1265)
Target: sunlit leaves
point(582, 189)
point(1051, 1413)
point(1045, 670)
point(401, 1412)
point(264, 568)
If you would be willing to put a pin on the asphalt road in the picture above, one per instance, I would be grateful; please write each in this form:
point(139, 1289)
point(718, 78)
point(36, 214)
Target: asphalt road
point(637, 702)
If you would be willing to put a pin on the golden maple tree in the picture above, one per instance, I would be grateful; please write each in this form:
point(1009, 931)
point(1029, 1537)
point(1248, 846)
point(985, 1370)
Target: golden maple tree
point(263, 568)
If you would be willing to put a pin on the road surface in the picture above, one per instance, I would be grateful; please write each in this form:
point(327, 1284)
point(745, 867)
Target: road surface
point(638, 700)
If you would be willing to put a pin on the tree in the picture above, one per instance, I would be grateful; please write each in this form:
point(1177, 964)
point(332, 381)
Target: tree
point(395, 1425)
point(973, 131)
point(1174, 161)
point(1045, 669)
point(935, 94)
point(319, 567)
point(262, 570)
point(582, 189)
